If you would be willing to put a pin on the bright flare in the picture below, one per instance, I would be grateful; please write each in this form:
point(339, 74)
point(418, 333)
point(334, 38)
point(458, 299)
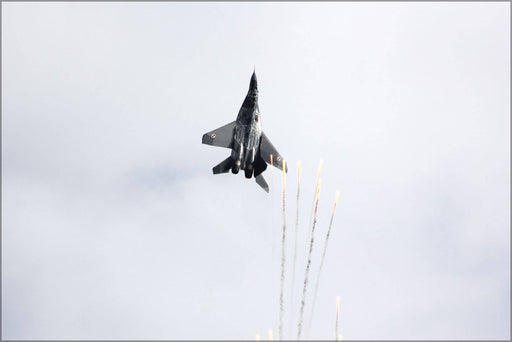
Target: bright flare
point(335, 203)
point(270, 335)
point(257, 337)
point(319, 168)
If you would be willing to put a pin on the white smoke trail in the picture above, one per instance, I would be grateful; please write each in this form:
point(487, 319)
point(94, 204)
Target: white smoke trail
point(281, 296)
point(273, 240)
point(320, 164)
point(303, 302)
point(323, 257)
point(296, 238)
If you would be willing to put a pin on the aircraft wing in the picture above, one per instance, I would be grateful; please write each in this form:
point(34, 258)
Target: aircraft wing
point(267, 149)
point(221, 137)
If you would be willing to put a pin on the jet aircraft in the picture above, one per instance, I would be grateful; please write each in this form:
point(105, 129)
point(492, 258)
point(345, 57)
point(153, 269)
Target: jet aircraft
point(251, 150)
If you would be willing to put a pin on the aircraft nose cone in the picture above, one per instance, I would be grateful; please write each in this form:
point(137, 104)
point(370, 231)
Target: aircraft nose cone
point(254, 80)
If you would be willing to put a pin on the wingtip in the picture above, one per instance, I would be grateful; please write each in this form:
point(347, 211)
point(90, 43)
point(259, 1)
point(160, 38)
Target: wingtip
point(206, 139)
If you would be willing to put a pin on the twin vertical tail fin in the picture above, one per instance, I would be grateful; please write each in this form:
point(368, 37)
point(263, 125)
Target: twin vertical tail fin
point(228, 163)
point(224, 166)
point(262, 182)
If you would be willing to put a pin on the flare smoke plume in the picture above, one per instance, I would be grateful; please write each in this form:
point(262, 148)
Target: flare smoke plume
point(281, 296)
point(296, 234)
point(323, 255)
point(303, 302)
point(314, 198)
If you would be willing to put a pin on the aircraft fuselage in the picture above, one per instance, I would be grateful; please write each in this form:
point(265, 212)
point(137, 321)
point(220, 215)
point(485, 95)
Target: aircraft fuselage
point(247, 133)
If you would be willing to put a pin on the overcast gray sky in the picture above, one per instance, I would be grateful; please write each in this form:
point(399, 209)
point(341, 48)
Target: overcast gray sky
point(114, 227)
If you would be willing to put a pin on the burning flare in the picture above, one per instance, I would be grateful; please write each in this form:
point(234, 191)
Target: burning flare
point(319, 169)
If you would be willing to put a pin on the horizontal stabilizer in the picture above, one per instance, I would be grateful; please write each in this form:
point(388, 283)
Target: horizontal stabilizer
point(262, 182)
point(259, 166)
point(223, 167)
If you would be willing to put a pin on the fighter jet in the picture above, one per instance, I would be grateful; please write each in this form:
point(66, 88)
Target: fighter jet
point(251, 150)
